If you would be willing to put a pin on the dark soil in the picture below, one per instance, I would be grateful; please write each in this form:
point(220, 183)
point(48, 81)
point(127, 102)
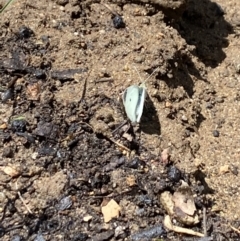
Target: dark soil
point(65, 152)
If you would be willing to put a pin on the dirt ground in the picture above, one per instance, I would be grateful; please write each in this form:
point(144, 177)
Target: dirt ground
point(66, 150)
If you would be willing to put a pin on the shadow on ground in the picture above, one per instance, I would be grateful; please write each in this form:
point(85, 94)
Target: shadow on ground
point(203, 25)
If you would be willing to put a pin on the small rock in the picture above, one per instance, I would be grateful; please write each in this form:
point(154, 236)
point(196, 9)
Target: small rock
point(168, 104)
point(25, 32)
point(184, 118)
point(199, 163)
point(136, 163)
point(224, 169)
point(234, 170)
point(34, 155)
point(62, 2)
point(78, 236)
point(131, 180)
point(174, 174)
point(7, 152)
point(3, 126)
point(33, 91)
point(219, 99)
point(39, 238)
point(119, 230)
point(165, 156)
point(19, 125)
point(64, 203)
point(10, 171)
point(209, 105)
point(87, 218)
point(118, 22)
point(103, 236)
point(40, 74)
point(148, 234)
point(8, 94)
point(16, 238)
point(216, 133)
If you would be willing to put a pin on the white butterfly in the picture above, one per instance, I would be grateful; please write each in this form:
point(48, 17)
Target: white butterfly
point(133, 100)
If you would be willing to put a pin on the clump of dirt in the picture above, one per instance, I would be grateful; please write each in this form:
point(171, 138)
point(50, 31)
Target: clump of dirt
point(68, 152)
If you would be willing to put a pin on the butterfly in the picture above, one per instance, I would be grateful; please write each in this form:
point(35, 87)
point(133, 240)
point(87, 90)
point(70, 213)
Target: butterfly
point(133, 100)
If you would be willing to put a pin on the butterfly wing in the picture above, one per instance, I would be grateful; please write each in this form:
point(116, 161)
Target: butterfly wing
point(131, 102)
point(140, 105)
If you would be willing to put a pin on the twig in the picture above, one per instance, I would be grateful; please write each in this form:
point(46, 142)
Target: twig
point(169, 225)
point(6, 5)
point(120, 126)
point(104, 80)
point(23, 201)
point(204, 222)
point(235, 229)
point(120, 145)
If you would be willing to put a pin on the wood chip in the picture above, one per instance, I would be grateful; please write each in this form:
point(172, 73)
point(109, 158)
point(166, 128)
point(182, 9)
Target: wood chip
point(110, 211)
point(168, 224)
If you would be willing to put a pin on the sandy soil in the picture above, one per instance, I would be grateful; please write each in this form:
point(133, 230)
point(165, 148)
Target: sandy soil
point(64, 68)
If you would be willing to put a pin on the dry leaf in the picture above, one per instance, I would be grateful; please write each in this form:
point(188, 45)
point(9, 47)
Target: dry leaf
point(183, 199)
point(110, 211)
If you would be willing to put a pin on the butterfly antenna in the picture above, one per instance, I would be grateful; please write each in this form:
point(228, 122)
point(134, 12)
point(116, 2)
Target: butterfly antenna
point(151, 75)
point(138, 74)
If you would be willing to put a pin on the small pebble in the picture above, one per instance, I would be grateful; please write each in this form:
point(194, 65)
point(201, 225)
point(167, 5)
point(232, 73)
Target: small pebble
point(184, 118)
point(157, 231)
point(19, 125)
point(223, 169)
point(87, 218)
point(174, 174)
point(62, 2)
point(40, 74)
point(216, 133)
point(7, 152)
point(8, 94)
point(118, 22)
point(34, 155)
point(136, 163)
point(219, 99)
point(25, 32)
point(39, 238)
point(119, 231)
point(16, 238)
point(209, 105)
point(234, 170)
point(64, 203)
